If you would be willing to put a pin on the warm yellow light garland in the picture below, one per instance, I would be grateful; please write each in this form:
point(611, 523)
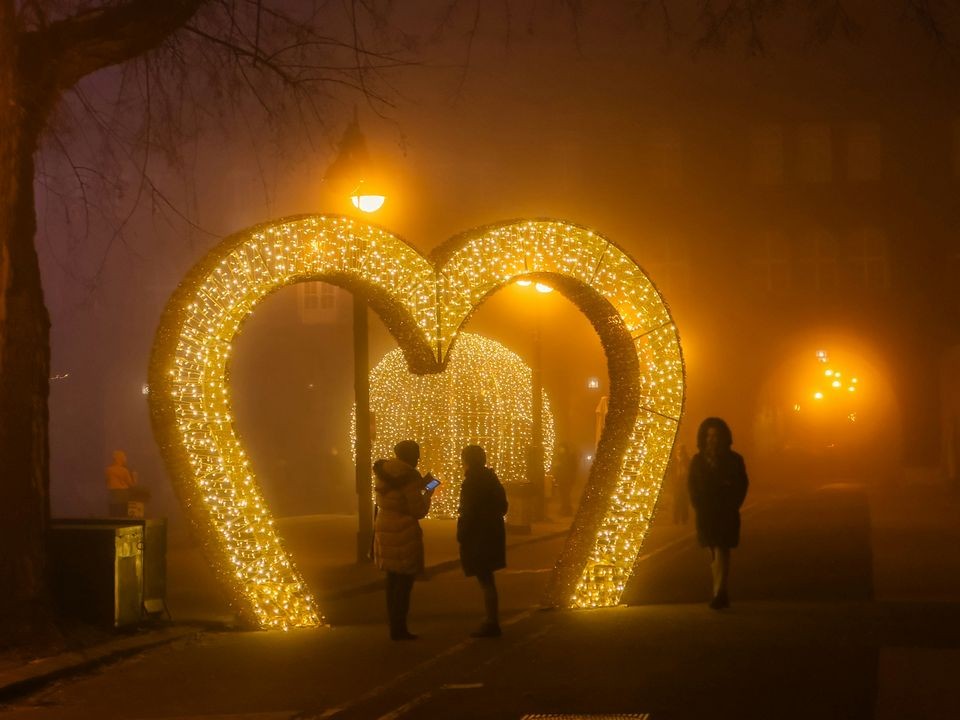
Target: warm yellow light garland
point(482, 397)
point(424, 304)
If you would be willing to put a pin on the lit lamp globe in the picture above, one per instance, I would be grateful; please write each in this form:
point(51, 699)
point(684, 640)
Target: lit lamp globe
point(540, 287)
point(366, 198)
point(368, 203)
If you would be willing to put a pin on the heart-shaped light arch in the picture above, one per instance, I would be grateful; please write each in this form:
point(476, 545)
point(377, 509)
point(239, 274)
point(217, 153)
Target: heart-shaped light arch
point(423, 303)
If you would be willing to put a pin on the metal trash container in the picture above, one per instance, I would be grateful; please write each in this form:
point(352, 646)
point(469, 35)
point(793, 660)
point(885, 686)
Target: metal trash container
point(97, 572)
point(154, 556)
point(520, 510)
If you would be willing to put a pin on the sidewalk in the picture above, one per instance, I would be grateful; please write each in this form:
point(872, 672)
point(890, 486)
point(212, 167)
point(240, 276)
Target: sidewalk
point(324, 548)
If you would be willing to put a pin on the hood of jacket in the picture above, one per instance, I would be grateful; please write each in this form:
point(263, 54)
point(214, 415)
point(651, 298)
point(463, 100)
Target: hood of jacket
point(393, 474)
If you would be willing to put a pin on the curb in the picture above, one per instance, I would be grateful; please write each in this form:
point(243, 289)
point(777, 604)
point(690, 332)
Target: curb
point(35, 675)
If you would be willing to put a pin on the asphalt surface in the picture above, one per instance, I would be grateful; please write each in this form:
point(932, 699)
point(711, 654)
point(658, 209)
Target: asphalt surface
point(820, 627)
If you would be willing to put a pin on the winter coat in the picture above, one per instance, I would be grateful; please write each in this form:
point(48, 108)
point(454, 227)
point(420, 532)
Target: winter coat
point(480, 531)
point(397, 537)
point(716, 493)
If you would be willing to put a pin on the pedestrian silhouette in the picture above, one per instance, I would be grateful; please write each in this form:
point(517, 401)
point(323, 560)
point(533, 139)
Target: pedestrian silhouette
point(480, 531)
point(119, 483)
point(677, 479)
point(565, 471)
point(402, 499)
point(718, 485)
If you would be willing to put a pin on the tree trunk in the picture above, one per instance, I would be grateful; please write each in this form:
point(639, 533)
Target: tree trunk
point(24, 368)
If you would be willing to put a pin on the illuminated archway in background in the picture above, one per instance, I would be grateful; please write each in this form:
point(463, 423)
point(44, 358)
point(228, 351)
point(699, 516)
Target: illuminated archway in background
point(423, 303)
point(482, 397)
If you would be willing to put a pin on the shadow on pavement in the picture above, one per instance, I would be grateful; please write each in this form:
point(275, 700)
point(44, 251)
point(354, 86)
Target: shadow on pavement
point(810, 547)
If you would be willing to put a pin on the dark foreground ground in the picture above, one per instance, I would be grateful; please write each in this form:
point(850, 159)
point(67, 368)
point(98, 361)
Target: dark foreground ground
point(846, 604)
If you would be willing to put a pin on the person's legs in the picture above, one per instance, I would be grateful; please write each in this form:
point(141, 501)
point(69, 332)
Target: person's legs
point(392, 602)
point(715, 570)
point(398, 604)
point(491, 626)
point(720, 568)
point(490, 600)
point(406, 588)
point(723, 555)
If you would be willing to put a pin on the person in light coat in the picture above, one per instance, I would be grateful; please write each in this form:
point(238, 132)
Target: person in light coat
point(401, 500)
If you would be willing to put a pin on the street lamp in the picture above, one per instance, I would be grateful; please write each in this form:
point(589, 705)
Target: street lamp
point(350, 169)
point(365, 199)
point(535, 460)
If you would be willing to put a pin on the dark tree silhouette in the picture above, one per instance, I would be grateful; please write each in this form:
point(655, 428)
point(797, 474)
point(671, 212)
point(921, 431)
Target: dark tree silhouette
point(283, 55)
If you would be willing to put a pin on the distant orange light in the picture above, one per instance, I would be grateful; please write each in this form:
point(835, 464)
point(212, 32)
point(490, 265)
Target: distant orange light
point(818, 395)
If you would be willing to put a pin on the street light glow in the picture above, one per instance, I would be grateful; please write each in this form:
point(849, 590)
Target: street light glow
point(368, 203)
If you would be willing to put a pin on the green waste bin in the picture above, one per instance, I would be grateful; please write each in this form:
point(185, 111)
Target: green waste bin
point(97, 572)
point(154, 556)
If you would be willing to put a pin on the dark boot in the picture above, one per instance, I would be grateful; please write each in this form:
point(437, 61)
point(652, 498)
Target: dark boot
point(487, 630)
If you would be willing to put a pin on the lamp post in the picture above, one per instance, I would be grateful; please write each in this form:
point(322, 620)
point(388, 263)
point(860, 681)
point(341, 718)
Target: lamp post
point(351, 169)
point(535, 459)
point(361, 390)
point(366, 202)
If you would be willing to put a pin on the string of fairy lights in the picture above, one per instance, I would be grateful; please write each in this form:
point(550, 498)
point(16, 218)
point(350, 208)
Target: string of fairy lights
point(424, 304)
point(482, 397)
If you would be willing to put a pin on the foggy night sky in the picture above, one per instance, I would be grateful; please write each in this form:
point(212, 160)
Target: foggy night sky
point(544, 119)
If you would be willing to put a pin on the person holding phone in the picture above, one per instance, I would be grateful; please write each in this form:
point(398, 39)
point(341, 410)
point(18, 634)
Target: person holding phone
point(481, 533)
point(403, 497)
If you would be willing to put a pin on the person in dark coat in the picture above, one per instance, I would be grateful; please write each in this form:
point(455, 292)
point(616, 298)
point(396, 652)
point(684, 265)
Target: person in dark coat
point(480, 531)
point(402, 499)
point(718, 485)
point(679, 475)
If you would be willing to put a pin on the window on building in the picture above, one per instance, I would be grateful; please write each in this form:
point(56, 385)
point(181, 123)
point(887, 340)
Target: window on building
point(318, 302)
point(766, 158)
point(817, 265)
point(814, 153)
point(956, 147)
point(864, 153)
point(668, 263)
point(665, 158)
point(772, 261)
point(870, 259)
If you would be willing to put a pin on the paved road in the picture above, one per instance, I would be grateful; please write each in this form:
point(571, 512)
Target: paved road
point(806, 637)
